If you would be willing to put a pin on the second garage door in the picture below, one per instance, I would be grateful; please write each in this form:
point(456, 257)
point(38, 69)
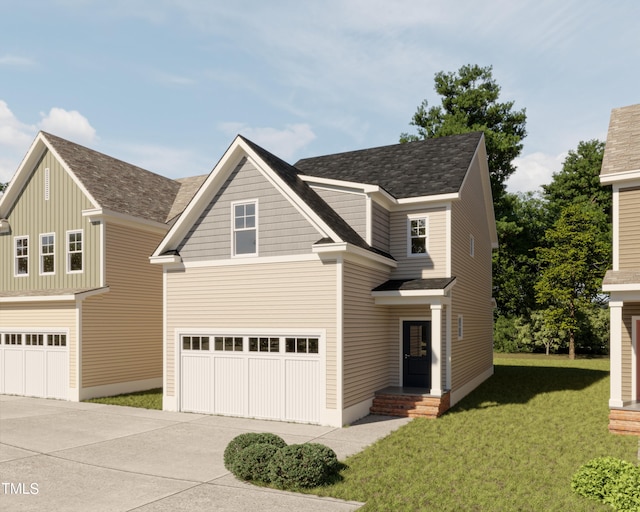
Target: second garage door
point(275, 377)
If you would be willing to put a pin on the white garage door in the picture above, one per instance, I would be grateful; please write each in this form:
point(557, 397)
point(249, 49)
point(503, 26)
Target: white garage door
point(272, 377)
point(34, 364)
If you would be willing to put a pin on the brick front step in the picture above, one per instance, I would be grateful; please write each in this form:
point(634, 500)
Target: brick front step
point(624, 421)
point(412, 406)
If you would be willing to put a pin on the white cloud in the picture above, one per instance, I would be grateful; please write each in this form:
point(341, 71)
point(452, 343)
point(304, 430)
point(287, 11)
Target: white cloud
point(15, 137)
point(534, 170)
point(69, 124)
point(15, 61)
point(282, 143)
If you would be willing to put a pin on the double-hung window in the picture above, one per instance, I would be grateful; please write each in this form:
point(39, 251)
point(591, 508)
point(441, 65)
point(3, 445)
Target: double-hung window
point(417, 233)
point(47, 253)
point(245, 228)
point(75, 258)
point(21, 255)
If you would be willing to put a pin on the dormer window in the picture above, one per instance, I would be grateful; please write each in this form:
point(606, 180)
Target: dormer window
point(417, 232)
point(245, 228)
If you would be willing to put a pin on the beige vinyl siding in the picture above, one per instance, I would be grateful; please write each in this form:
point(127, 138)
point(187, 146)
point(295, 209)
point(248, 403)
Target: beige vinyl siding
point(282, 230)
point(32, 216)
point(433, 264)
point(293, 295)
point(380, 227)
point(367, 339)
point(350, 206)
point(122, 329)
point(44, 316)
point(471, 296)
point(629, 215)
point(628, 311)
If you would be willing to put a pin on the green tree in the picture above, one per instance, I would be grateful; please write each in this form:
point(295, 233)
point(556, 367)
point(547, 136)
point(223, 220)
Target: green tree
point(470, 103)
point(579, 180)
point(3, 186)
point(573, 259)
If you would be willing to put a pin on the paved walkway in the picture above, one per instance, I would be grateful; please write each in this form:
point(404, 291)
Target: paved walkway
point(68, 456)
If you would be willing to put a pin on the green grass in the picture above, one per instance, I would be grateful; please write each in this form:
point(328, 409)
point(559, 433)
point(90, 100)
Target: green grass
point(513, 444)
point(150, 399)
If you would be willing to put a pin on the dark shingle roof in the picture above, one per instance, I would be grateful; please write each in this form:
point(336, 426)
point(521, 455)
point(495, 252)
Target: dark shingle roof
point(414, 169)
point(117, 185)
point(436, 283)
point(290, 175)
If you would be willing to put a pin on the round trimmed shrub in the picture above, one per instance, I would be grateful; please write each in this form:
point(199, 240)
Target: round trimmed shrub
point(303, 465)
point(242, 441)
point(252, 463)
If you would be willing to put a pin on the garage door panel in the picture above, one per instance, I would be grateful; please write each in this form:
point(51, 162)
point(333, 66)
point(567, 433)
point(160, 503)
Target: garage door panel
point(35, 369)
point(57, 374)
point(196, 383)
point(302, 389)
point(229, 385)
point(13, 371)
point(265, 388)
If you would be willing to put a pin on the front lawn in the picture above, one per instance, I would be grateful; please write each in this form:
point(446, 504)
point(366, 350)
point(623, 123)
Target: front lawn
point(513, 444)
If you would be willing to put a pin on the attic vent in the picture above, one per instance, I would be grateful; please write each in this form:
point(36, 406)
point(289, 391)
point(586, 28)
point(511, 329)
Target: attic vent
point(46, 184)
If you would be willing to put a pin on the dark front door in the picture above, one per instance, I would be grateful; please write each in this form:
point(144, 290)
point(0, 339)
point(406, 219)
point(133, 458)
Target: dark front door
point(416, 349)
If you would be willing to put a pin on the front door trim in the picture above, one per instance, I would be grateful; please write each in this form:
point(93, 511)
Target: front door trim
point(403, 383)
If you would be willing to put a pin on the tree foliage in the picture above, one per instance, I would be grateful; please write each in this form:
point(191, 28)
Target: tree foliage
point(3, 186)
point(470, 103)
point(574, 258)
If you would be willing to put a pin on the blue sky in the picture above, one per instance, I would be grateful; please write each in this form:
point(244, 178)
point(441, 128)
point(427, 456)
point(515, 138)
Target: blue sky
point(167, 84)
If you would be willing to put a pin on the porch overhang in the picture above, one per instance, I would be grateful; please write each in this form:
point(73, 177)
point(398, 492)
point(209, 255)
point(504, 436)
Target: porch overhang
point(414, 291)
point(621, 281)
point(51, 295)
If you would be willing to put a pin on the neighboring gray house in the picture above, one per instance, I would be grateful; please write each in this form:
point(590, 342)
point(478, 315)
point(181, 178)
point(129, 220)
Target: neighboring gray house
point(346, 283)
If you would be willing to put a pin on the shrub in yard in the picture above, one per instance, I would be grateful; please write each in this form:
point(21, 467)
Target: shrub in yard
point(303, 465)
point(252, 463)
point(242, 441)
point(610, 480)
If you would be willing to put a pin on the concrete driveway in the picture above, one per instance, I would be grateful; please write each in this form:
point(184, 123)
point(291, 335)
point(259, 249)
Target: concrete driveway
point(68, 456)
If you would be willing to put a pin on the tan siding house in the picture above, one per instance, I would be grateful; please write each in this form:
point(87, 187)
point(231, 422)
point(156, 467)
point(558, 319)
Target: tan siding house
point(621, 170)
point(313, 293)
point(80, 305)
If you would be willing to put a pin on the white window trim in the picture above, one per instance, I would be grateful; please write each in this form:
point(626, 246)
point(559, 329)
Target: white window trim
point(460, 327)
point(68, 253)
point(42, 272)
point(233, 229)
point(472, 246)
point(15, 255)
point(415, 216)
point(635, 346)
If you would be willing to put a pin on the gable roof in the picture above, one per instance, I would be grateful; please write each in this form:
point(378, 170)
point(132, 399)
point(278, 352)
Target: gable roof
point(116, 185)
point(188, 188)
point(414, 169)
point(622, 150)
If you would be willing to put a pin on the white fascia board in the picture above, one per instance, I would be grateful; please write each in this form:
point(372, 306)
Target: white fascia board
point(429, 200)
point(56, 298)
point(342, 184)
point(617, 177)
point(627, 287)
point(100, 214)
point(440, 292)
point(344, 247)
point(170, 259)
point(386, 300)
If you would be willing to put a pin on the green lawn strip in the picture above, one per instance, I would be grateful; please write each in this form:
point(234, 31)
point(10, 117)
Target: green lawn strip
point(513, 444)
point(150, 399)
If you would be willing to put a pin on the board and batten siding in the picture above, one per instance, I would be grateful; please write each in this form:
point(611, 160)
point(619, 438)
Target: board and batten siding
point(351, 206)
point(629, 222)
point(472, 355)
point(380, 227)
point(44, 316)
point(433, 263)
point(367, 337)
point(282, 229)
point(33, 215)
point(628, 311)
point(288, 295)
point(122, 329)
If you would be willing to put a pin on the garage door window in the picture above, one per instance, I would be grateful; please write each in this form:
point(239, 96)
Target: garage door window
point(34, 339)
point(264, 344)
point(302, 345)
point(57, 340)
point(228, 343)
point(195, 342)
point(13, 339)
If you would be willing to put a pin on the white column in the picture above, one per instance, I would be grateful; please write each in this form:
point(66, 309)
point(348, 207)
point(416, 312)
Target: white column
point(615, 353)
point(436, 349)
